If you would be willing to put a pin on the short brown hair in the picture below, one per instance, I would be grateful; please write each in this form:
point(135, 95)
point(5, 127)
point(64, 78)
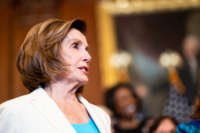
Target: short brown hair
point(39, 57)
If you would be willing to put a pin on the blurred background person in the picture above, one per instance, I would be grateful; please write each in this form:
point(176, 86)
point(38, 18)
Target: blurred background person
point(189, 72)
point(126, 107)
point(184, 82)
point(164, 124)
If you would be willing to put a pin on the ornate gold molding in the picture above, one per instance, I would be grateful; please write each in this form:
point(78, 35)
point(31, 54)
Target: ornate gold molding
point(147, 6)
point(110, 75)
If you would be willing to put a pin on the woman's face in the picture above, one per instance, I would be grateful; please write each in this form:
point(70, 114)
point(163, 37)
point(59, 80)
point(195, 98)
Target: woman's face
point(74, 50)
point(190, 47)
point(125, 103)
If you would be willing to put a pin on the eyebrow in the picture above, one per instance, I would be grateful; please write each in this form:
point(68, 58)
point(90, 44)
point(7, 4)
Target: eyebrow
point(78, 40)
point(73, 39)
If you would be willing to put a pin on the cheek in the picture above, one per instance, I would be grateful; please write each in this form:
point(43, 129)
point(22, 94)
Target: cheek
point(67, 56)
point(69, 60)
point(75, 61)
point(120, 107)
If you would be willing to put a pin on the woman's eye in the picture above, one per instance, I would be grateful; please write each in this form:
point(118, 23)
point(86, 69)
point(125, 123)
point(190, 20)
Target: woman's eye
point(75, 45)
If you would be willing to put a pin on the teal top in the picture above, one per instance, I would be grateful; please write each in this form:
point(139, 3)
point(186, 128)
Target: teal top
point(191, 127)
point(89, 127)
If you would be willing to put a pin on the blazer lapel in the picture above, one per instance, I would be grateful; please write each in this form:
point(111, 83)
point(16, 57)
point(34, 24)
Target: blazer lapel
point(48, 108)
point(96, 117)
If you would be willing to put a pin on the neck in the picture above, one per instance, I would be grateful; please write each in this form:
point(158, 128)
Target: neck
point(64, 95)
point(128, 123)
point(62, 91)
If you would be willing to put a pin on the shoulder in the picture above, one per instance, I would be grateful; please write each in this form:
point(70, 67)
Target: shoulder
point(24, 103)
point(13, 113)
point(191, 127)
point(22, 114)
point(14, 104)
point(20, 106)
point(17, 108)
point(21, 102)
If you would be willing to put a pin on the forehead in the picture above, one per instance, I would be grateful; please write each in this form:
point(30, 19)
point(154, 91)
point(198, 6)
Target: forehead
point(166, 124)
point(75, 33)
point(122, 91)
point(190, 42)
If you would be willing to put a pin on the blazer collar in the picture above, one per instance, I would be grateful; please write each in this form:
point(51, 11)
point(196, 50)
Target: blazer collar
point(49, 109)
point(93, 114)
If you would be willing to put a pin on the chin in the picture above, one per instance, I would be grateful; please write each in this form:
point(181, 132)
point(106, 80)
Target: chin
point(83, 81)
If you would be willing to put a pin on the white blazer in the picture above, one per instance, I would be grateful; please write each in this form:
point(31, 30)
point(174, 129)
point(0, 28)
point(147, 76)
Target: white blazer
point(38, 113)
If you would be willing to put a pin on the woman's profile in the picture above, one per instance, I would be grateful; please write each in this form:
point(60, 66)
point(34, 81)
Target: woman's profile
point(53, 64)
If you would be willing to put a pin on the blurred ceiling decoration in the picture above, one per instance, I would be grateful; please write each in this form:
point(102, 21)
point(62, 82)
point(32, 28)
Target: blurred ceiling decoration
point(121, 60)
point(147, 6)
point(170, 59)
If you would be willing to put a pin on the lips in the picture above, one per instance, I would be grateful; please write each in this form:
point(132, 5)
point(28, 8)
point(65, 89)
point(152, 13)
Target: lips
point(84, 69)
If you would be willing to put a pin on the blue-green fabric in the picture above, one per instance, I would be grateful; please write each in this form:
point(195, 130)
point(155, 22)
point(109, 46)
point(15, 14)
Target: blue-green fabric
point(191, 127)
point(89, 127)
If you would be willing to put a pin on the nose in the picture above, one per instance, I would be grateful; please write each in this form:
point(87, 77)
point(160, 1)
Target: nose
point(87, 57)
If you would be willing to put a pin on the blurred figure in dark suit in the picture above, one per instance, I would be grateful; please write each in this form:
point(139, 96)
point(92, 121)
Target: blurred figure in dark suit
point(189, 72)
point(184, 82)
